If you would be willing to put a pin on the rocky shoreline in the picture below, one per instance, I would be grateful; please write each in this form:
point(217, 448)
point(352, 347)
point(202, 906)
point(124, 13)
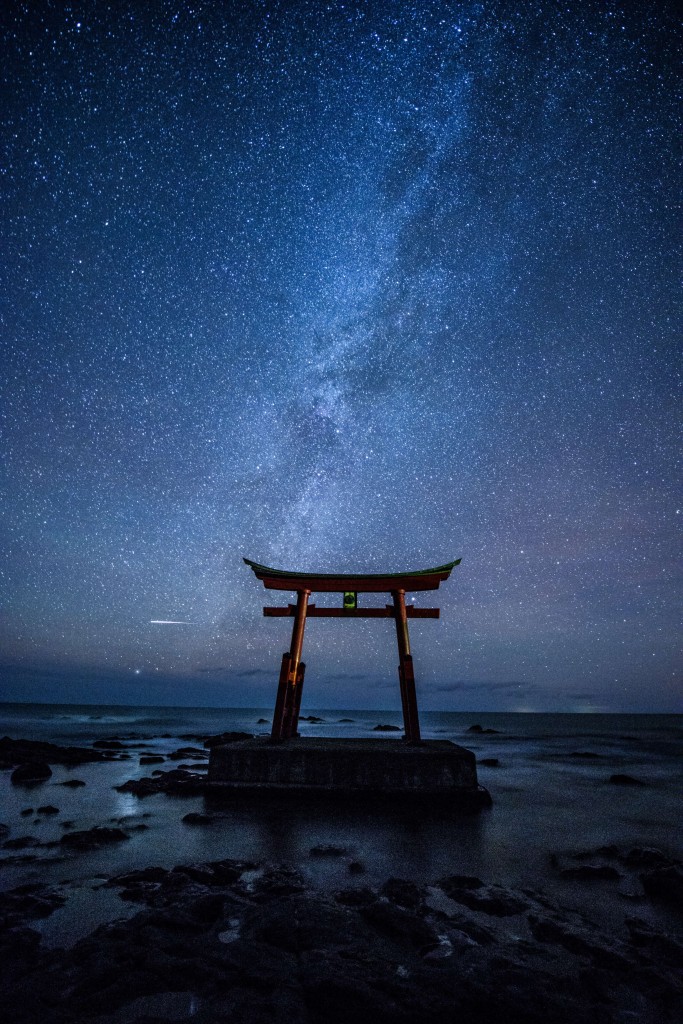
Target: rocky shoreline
point(256, 942)
point(231, 940)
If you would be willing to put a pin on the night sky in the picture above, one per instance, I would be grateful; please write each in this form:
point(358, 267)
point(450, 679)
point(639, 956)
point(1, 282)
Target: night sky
point(344, 286)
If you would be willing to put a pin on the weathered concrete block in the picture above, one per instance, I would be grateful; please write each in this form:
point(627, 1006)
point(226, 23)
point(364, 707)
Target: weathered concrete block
point(371, 766)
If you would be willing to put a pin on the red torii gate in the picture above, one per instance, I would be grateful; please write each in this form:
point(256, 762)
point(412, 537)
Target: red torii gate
point(290, 686)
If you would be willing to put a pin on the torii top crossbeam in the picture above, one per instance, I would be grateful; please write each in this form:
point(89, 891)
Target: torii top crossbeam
point(286, 717)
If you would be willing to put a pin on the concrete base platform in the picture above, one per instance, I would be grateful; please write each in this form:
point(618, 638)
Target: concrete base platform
point(435, 768)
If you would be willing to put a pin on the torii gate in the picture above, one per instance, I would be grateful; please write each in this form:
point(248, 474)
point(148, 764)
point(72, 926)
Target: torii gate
point(290, 686)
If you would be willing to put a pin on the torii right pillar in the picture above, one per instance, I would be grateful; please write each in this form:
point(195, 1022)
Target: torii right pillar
point(406, 675)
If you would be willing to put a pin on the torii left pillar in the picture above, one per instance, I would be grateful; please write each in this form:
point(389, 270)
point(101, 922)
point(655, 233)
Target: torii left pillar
point(291, 684)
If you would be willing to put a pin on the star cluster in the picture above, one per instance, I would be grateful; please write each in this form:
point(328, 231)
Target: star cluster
point(340, 286)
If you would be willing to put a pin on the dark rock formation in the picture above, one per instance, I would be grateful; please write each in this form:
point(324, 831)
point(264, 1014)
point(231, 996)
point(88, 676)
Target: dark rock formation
point(35, 771)
point(480, 730)
point(152, 759)
point(625, 780)
point(489, 762)
point(48, 809)
point(387, 728)
point(92, 838)
point(265, 948)
point(177, 782)
point(72, 783)
point(22, 752)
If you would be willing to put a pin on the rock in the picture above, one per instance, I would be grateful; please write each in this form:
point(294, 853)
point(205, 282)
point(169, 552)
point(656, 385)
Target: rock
point(4, 829)
point(196, 818)
point(26, 812)
point(590, 872)
point(48, 809)
point(483, 732)
point(108, 745)
point(263, 721)
point(152, 759)
point(68, 824)
point(93, 838)
point(489, 899)
point(647, 857)
point(177, 782)
point(21, 752)
point(356, 867)
point(489, 762)
point(183, 752)
point(345, 721)
point(387, 728)
point(313, 719)
point(406, 894)
point(72, 783)
point(665, 884)
point(30, 902)
point(36, 771)
point(586, 755)
point(625, 780)
point(20, 843)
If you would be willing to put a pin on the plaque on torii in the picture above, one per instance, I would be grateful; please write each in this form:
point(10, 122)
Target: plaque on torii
point(290, 686)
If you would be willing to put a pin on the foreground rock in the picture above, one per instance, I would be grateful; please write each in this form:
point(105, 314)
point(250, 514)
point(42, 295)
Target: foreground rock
point(226, 941)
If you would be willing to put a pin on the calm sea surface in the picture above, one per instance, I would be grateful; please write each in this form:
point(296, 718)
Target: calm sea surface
point(545, 800)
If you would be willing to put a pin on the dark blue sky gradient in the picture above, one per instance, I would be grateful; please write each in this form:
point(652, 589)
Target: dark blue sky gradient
point(340, 286)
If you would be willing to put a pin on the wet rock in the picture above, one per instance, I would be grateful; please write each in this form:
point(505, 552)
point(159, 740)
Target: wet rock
point(356, 867)
point(591, 872)
point(312, 719)
point(26, 812)
point(68, 824)
point(4, 829)
point(28, 902)
point(22, 752)
point(196, 818)
point(625, 780)
point(387, 728)
point(346, 721)
point(406, 894)
point(481, 731)
point(48, 809)
point(327, 851)
point(72, 783)
point(152, 759)
point(488, 899)
point(489, 762)
point(647, 857)
point(400, 925)
point(263, 721)
point(108, 745)
point(586, 755)
point(20, 843)
point(93, 838)
point(665, 884)
point(35, 771)
point(177, 782)
point(183, 752)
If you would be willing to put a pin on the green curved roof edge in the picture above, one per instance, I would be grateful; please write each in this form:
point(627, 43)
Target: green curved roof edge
point(258, 568)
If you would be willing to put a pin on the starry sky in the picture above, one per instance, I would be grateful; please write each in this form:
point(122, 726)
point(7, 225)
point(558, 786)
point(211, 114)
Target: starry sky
point(344, 286)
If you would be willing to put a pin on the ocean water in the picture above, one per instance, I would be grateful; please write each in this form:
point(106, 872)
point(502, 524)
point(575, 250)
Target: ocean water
point(545, 800)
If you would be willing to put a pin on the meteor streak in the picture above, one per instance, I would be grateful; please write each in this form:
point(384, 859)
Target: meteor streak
point(171, 622)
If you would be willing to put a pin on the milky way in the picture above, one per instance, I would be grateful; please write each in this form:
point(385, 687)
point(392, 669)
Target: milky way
point(348, 286)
